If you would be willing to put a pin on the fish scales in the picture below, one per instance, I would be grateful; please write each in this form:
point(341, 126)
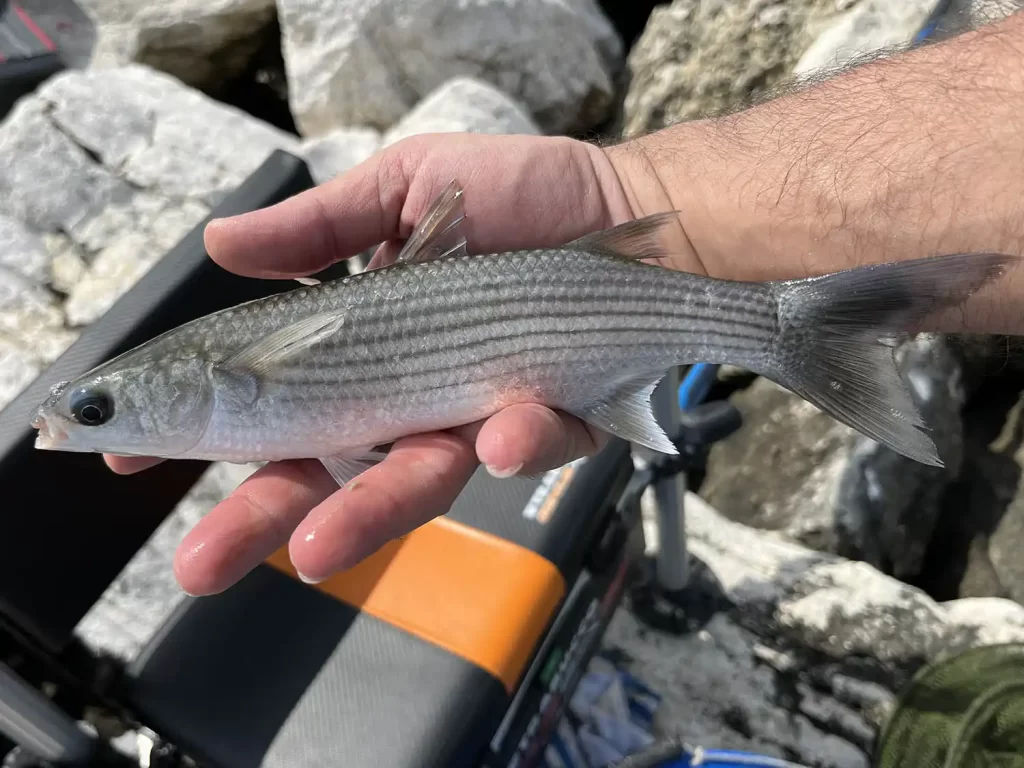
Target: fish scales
point(461, 313)
point(433, 343)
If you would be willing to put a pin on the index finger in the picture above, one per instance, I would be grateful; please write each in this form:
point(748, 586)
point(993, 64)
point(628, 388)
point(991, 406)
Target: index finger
point(129, 465)
point(316, 228)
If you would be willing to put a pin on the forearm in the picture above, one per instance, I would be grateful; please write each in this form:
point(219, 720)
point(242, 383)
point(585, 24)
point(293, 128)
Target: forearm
point(915, 155)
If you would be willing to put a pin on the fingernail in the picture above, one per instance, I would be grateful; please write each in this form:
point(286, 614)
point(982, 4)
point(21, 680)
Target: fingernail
point(503, 473)
point(307, 580)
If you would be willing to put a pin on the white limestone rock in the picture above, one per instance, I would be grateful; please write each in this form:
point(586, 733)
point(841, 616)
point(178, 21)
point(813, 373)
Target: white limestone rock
point(31, 318)
point(697, 58)
point(146, 593)
point(32, 332)
point(22, 250)
point(159, 135)
point(463, 104)
point(116, 269)
point(121, 161)
point(871, 27)
point(101, 173)
point(841, 607)
point(201, 42)
point(336, 152)
point(17, 370)
point(368, 62)
point(47, 181)
point(68, 263)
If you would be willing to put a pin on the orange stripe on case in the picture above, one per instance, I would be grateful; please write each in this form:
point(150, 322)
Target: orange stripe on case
point(476, 595)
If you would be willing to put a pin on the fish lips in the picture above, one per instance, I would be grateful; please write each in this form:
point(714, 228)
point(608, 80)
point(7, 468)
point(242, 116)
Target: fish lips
point(51, 434)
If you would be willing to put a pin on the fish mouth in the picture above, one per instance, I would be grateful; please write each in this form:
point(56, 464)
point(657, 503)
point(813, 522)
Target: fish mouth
point(51, 437)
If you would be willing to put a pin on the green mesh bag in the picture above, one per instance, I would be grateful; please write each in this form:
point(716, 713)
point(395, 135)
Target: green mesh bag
point(966, 711)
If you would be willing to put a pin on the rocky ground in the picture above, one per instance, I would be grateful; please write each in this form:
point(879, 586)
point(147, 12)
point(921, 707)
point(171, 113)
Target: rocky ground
point(835, 567)
point(801, 653)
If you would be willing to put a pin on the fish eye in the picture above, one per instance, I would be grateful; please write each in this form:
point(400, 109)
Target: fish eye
point(91, 407)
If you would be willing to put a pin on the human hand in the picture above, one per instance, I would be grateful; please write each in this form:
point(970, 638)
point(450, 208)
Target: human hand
point(520, 192)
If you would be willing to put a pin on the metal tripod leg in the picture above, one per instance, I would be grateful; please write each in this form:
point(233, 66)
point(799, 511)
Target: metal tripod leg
point(673, 567)
point(665, 600)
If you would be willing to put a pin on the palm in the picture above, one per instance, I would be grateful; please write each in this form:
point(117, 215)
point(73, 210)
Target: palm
point(520, 192)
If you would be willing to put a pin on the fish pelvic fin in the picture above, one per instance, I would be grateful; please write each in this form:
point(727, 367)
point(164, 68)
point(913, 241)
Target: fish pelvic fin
point(635, 240)
point(439, 232)
point(837, 338)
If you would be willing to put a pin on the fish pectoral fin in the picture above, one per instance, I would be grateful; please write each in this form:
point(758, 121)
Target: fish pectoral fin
point(344, 468)
point(439, 231)
point(307, 281)
point(627, 413)
point(236, 389)
point(634, 240)
point(280, 345)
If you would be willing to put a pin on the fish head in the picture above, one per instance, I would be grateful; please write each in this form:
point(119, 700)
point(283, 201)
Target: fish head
point(138, 404)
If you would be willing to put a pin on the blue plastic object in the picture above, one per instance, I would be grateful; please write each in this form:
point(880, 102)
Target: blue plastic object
point(925, 33)
point(695, 385)
point(932, 24)
point(726, 758)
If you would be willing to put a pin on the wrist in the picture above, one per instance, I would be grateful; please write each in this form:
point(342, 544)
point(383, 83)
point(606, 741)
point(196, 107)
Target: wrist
point(702, 169)
point(631, 173)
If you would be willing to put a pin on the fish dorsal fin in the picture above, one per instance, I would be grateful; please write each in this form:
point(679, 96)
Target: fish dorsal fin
point(439, 232)
point(626, 412)
point(637, 239)
point(274, 348)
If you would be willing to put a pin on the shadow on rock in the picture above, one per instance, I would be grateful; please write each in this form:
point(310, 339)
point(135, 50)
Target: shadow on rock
point(887, 505)
point(681, 612)
point(982, 514)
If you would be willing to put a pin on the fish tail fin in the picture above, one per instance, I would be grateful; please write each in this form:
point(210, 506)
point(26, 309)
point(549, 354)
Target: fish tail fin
point(838, 335)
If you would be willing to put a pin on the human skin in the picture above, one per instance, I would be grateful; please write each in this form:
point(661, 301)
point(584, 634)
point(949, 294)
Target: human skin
point(913, 155)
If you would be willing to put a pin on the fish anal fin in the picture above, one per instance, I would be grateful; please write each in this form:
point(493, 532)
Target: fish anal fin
point(627, 413)
point(636, 240)
point(439, 232)
point(282, 344)
point(349, 465)
point(345, 466)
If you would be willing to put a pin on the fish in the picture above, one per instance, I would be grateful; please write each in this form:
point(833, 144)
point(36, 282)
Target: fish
point(338, 370)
